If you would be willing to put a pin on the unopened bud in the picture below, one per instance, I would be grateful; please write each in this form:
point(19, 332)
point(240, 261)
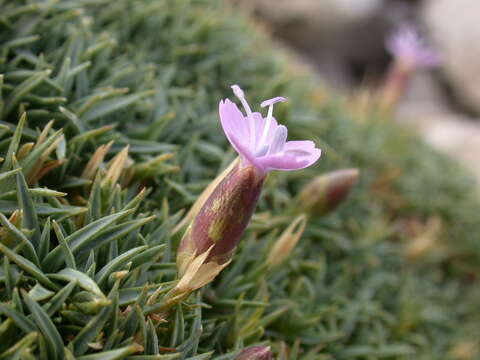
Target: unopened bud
point(204, 196)
point(324, 193)
point(255, 353)
point(425, 242)
point(287, 241)
point(210, 240)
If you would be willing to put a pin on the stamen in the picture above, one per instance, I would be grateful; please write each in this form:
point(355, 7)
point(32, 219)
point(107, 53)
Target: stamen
point(279, 139)
point(268, 120)
point(272, 101)
point(238, 92)
point(266, 128)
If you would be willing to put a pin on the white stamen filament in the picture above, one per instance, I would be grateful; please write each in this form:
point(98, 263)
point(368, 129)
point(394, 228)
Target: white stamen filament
point(251, 122)
point(266, 128)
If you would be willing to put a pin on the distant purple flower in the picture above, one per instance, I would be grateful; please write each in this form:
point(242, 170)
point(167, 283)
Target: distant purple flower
point(262, 142)
point(406, 45)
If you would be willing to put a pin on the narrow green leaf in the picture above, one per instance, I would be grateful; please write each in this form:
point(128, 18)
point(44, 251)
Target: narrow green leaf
point(9, 207)
point(59, 299)
point(15, 351)
point(23, 89)
point(128, 296)
point(116, 263)
point(88, 233)
point(74, 182)
point(74, 120)
point(88, 135)
point(67, 253)
point(151, 346)
point(20, 41)
point(81, 279)
point(47, 328)
point(19, 319)
point(81, 236)
point(28, 249)
point(39, 293)
point(116, 354)
point(29, 218)
point(28, 267)
point(147, 255)
point(8, 277)
point(141, 321)
point(46, 192)
point(14, 142)
point(44, 244)
point(114, 233)
point(94, 326)
point(8, 174)
point(113, 105)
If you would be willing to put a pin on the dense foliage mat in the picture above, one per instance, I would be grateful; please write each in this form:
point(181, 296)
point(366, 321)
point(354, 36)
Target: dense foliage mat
point(101, 99)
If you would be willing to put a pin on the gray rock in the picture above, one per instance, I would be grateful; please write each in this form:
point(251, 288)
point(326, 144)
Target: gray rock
point(425, 109)
point(455, 29)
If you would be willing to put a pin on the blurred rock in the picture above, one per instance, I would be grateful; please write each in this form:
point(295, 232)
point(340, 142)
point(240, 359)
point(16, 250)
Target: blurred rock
point(325, 14)
point(426, 109)
point(337, 36)
point(455, 29)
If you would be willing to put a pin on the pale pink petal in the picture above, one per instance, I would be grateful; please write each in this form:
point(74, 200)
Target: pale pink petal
point(246, 155)
point(282, 162)
point(312, 158)
point(299, 155)
point(233, 122)
point(306, 145)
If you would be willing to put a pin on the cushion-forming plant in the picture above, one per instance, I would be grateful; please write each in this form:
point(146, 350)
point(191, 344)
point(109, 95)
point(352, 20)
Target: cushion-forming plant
point(110, 132)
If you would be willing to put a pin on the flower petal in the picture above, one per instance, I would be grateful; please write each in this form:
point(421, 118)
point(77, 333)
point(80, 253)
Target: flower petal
point(233, 122)
point(282, 162)
point(297, 155)
point(245, 153)
point(305, 145)
point(279, 139)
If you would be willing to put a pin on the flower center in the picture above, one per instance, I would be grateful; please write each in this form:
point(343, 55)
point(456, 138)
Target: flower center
point(264, 146)
point(279, 136)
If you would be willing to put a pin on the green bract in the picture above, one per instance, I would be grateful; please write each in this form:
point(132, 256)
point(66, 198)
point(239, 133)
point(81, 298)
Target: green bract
point(101, 99)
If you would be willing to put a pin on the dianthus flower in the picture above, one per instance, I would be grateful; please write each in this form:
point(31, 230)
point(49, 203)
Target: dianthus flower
point(209, 242)
point(406, 45)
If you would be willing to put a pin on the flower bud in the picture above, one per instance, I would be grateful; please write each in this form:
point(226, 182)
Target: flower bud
point(324, 193)
point(287, 241)
point(210, 240)
point(203, 197)
point(255, 353)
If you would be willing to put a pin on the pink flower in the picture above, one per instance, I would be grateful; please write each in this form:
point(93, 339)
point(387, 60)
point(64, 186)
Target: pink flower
point(406, 45)
point(261, 141)
point(211, 238)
